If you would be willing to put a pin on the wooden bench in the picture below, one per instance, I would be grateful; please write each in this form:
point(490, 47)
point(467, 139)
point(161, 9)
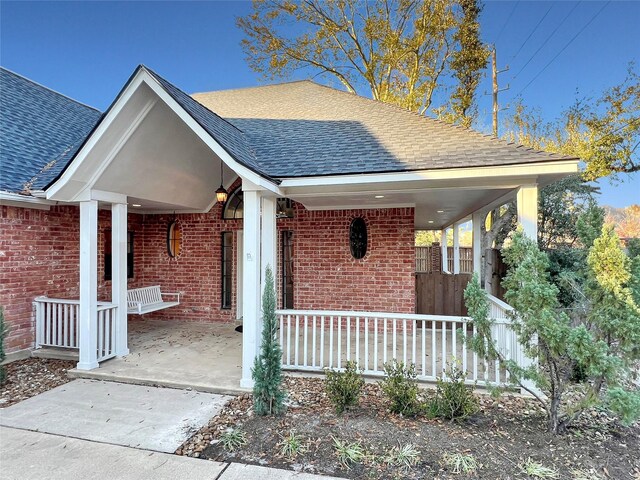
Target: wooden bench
point(148, 299)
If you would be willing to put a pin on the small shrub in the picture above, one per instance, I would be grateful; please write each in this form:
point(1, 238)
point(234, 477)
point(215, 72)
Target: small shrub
point(453, 399)
point(537, 470)
point(291, 446)
point(401, 388)
point(3, 333)
point(405, 456)
point(348, 453)
point(232, 439)
point(268, 395)
point(460, 463)
point(344, 388)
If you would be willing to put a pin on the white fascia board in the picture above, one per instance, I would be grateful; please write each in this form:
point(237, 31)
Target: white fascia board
point(519, 170)
point(237, 167)
point(25, 201)
point(94, 138)
point(143, 77)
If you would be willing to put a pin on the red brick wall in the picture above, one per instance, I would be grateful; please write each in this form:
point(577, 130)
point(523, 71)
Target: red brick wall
point(39, 255)
point(327, 277)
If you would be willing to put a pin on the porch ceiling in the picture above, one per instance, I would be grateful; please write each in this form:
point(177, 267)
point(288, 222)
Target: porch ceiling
point(435, 208)
point(148, 153)
point(440, 197)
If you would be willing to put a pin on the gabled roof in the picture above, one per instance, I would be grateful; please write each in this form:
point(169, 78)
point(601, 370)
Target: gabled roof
point(225, 133)
point(40, 131)
point(302, 129)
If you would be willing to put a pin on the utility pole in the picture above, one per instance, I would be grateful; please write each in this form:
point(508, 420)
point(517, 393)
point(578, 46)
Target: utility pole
point(496, 89)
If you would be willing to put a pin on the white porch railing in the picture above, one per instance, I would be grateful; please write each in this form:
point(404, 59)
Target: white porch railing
point(315, 340)
point(57, 325)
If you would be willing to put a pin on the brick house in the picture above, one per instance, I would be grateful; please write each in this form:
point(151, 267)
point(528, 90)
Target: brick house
point(325, 186)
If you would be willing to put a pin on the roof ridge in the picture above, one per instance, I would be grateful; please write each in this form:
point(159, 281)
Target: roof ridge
point(256, 86)
point(48, 88)
point(154, 74)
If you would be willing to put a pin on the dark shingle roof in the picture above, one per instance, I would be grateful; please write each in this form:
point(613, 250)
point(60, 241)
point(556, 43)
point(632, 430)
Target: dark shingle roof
point(306, 129)
point(40, 131)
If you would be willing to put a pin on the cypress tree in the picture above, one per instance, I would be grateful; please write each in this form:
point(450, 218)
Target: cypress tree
point(3, 332)
point(268, 395)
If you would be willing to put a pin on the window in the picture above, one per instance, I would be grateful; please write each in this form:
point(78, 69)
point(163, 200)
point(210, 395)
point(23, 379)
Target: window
point(287, 270)
point(107, 255)
point(358, 238)
point(227, 268)
point(174, 239)
point(234, 206)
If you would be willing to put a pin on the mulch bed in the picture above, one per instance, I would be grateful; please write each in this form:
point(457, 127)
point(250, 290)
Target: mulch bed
point(32, 376)
point(505, 433)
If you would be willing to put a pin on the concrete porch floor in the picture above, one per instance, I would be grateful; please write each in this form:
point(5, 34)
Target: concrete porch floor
point(203, 356)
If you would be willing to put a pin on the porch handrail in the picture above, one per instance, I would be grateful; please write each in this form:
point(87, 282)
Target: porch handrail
point(313, 340)
point(58, 321)
point(382, 315)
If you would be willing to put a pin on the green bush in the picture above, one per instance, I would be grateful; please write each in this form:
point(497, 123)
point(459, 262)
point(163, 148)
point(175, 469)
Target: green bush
point(344, 387)
point(453, 399)
point(3, 333)
point(268, 394)
point(401, 388)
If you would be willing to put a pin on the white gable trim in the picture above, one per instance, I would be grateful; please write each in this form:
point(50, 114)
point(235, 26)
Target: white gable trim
point(142, 76)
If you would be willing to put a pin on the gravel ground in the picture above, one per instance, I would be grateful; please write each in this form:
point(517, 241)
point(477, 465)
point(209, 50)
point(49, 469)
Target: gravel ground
point(29, 377)
point(501, 437)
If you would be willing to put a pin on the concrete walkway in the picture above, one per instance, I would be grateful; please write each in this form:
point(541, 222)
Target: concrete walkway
point(27, 455)
point(158, 419)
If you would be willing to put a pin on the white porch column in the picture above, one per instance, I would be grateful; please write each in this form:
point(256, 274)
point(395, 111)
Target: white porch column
point(445, 251)
point(119, 274)
point(527, 205)
point(269, 236)
point(88, 322)
point(456, 248)
point(476, 222)
point(250, 283)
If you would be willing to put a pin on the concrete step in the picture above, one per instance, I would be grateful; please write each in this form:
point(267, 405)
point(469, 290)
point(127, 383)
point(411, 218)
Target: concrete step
point(55, 353)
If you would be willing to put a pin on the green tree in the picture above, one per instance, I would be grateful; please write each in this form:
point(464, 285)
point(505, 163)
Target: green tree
point(268, 395)
point(604, 341)
point(3, 333)
point(602, 131)
point(405, 52)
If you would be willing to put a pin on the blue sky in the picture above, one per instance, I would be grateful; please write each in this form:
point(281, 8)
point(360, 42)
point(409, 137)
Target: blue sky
point(87, 50)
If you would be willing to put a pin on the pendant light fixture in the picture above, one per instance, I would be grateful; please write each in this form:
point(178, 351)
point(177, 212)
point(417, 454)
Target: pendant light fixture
point(221, 193)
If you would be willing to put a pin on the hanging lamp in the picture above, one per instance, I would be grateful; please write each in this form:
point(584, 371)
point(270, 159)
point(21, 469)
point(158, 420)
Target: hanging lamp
point(221, 193)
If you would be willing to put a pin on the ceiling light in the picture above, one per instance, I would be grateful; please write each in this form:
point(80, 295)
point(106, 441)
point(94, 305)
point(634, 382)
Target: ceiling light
point(440, 211)
point(221, 193)
point(430, 221)
point(136, 205)
point(379, 196)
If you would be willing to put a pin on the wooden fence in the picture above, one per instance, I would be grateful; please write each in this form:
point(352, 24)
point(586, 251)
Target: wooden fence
point(441, 293)
point(428, 260)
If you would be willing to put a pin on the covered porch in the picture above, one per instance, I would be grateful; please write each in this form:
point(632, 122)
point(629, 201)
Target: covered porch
point(157, 152)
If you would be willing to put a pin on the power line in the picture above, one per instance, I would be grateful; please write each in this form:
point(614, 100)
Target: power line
point(532, 32)
point(548, 38)
point(515, 5)
point(565, 47)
